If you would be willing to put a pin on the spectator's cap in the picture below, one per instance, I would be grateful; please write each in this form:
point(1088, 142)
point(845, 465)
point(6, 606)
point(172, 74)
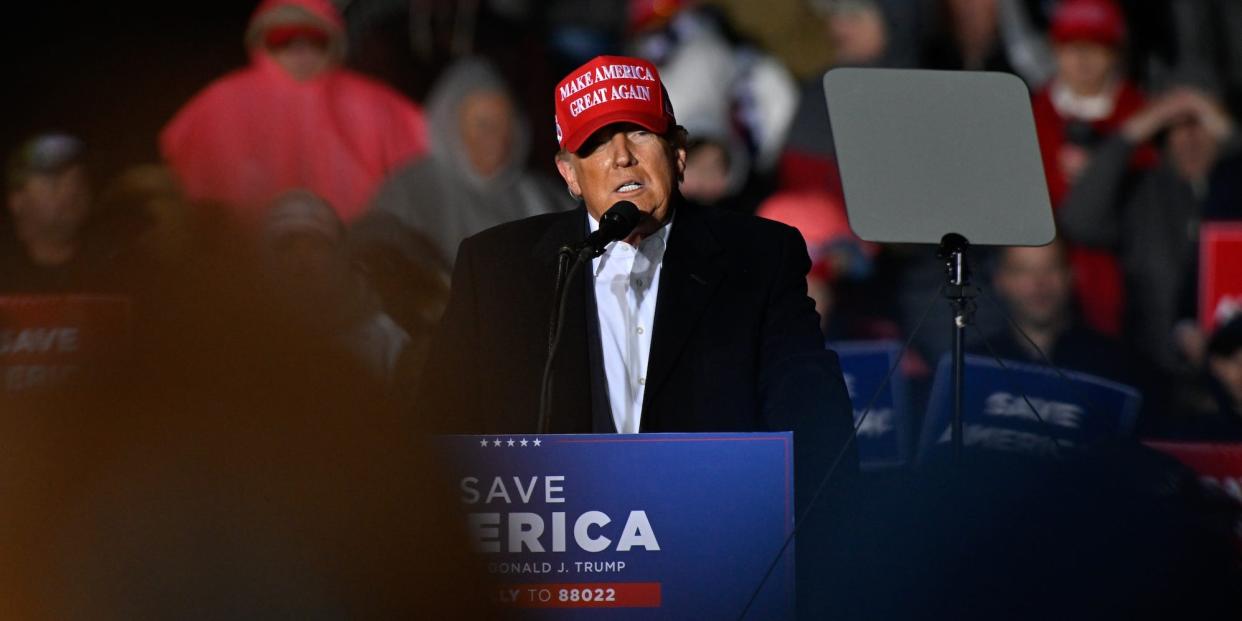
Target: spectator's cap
point(1099, 21)
point(650, 14)
point(44, 154)
point(277, 22)
point(607, 90)
point(302, 212)
point(1227, 338)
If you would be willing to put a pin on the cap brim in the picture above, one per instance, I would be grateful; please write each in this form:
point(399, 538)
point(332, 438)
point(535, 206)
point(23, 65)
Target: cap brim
point(573, 141)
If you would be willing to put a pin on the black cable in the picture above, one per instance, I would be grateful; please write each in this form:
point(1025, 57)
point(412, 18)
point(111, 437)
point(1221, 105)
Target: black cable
point(823, 483)
point(1056, 442)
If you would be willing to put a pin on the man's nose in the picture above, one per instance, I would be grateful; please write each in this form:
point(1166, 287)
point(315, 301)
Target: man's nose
point(619, 149)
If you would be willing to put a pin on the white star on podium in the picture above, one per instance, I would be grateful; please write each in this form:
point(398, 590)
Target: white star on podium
point(497, 442)
point(536, 441)
point(523, 442)
point(510, 442)
point(483, 443)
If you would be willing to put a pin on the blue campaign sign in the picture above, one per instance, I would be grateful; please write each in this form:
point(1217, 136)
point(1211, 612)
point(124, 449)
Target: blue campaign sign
point(643, 526)
point(1071, 414)
point(885, 435)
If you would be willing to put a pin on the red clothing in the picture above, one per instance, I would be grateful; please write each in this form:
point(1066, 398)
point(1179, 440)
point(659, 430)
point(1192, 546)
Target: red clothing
point(257, 132)
point(1097, 274)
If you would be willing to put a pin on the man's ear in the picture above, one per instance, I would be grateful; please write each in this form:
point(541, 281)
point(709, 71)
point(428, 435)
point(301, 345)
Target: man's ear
point(680, 154)
point(569, 174)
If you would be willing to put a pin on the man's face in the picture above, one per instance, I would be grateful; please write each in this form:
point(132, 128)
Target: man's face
point(302, 58)
point(858, 36)
point(485, 120)
point(1035, 282)
point(624, 162)
point(1191, 149)
point(51, 207)
point(1085, 67)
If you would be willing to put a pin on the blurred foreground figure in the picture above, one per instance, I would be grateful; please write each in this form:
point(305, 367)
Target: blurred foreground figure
point(241, 468)
point(307, 259)
point(1117, 533)
point(294, 118)
point(476, 176)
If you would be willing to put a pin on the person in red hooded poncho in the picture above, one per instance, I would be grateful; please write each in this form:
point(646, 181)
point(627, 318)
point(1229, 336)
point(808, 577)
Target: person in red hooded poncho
point(294, 118)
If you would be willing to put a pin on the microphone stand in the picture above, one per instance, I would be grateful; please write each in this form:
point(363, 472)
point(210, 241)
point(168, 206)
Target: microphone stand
point(615, 224)
point(565, 272)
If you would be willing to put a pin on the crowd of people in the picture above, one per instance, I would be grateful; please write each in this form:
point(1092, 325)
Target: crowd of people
point(363, 193)
point(295, 243)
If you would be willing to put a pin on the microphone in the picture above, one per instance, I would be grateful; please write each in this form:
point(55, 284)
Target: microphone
point(616, 223)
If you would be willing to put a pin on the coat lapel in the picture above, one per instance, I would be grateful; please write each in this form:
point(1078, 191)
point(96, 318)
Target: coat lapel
point(688, 278)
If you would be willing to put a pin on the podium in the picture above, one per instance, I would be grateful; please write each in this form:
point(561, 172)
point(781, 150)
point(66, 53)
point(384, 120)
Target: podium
point(642, 526)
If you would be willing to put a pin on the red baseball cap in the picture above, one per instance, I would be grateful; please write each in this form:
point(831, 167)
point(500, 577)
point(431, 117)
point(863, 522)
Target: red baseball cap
point(607, 90)
point(1100, 21)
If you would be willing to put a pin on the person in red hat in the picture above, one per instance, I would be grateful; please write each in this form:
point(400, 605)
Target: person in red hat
point(1086, 101)
point(699, 320)
point(295, 118)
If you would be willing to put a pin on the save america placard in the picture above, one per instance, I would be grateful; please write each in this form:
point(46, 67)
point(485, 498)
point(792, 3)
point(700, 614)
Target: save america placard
point(665, 526)
point(49, 342)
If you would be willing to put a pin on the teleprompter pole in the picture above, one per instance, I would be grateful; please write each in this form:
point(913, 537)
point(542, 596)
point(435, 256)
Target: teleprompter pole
point(958, 291)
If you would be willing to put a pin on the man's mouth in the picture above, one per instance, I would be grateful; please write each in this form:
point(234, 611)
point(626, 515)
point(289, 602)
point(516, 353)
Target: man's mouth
point(628, 186)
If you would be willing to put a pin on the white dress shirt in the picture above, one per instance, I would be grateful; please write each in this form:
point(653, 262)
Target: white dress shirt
point(626, 282)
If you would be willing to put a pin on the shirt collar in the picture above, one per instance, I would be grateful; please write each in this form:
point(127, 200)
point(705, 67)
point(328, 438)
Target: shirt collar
point(1092, 108)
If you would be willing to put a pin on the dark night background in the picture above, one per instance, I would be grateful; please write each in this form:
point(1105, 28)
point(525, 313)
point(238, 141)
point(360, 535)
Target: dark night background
point(114, 73)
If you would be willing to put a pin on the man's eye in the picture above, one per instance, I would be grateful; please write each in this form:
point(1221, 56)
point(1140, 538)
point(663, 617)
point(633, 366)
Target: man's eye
point(640, 134)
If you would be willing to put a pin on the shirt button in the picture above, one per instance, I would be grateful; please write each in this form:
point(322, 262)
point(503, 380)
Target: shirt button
point(639, 329)
point(642, 381)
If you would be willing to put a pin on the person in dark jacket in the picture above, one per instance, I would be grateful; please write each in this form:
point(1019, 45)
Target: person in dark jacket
point(697, 321)
point(1150, 218)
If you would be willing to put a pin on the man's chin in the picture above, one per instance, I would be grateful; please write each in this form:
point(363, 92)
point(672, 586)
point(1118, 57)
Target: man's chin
point(1039, 322)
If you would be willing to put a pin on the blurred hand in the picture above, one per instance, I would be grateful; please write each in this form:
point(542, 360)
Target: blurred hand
point(1212, 115)
point(1173, 105)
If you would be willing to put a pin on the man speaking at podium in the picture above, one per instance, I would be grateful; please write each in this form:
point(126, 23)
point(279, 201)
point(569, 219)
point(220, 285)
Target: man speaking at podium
point(696, 321)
